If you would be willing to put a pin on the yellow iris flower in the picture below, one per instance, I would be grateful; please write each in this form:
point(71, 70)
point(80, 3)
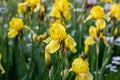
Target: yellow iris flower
point(21, 8)
point(57, 37)
point(1, 68)
point(57, 32)
point(33, 3)
point(80, 67)
point(60, 7)
point(115, 11)
point(16, 25)
point(96, 12)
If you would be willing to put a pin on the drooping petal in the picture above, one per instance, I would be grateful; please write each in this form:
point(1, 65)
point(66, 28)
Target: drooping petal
point(79, 66)
point(47, 58)
point(70, 43)
point(84, 76)
point(73, 49)
point(92, 31)
point(100, 23)
point(53, 46)
point(67, 14)
point(86, 49)
point(12, 33)
point(89, 41)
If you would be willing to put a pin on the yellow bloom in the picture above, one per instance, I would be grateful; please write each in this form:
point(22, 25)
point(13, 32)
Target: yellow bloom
point(89, 41)
point(33, 3)
point(100, 24)
point(1, 68)
point(55, 12)
point(70, 43)
point(61, 7)
point(57, 32)
point(115, 11)
point(96, 12)
point(84, 76)
point(21, 8)
point(92, 31)
point(16, 25)
point(79, 66)
point(106, 1)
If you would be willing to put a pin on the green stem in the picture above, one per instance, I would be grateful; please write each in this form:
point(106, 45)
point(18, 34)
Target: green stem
point(97, 59)
point(61, 52)
point(106, 60)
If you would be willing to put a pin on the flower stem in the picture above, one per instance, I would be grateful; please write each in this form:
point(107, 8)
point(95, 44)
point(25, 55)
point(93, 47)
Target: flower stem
point(97, 59)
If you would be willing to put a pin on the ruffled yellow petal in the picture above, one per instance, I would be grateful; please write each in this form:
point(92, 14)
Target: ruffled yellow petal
point(67, 14)
point(79, 66)
point(57, 32)
point(84, 76)
point(21, 8)
point(92, 31)
point(89, 41)
point(55, 12)
point(12, 33)
point(37, 8)
point(117, 16)
point(70, 43)
point(100, 24)
point(47, 58)
point(97, 12)
point(53, 46)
